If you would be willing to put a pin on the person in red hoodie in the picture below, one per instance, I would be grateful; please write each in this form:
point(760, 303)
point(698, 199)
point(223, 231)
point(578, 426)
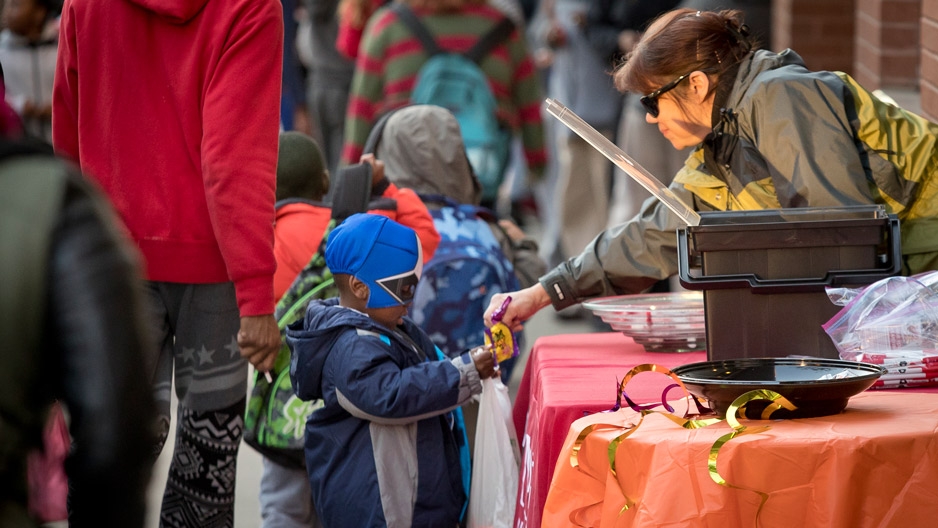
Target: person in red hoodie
point(172, 107)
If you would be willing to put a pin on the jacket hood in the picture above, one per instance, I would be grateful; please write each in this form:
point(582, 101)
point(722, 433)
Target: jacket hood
point(757, 63)
point(422, 149)
point(176, 11)
point(722, 142)
point(310, 348)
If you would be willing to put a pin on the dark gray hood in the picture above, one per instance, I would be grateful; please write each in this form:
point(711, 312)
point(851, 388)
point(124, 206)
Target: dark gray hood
point(422, 150)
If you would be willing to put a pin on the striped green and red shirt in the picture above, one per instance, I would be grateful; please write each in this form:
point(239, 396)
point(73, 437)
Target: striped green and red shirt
point(390, 58)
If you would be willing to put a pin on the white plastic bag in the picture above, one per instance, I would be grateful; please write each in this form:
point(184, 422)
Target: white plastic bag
point(496, 460)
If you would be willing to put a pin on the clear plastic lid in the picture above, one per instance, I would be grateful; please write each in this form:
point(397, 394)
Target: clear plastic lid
point(799, 214)
point(623, 161)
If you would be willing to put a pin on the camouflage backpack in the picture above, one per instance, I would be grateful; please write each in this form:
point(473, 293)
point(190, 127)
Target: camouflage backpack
point(275, 421)
point(468, 268)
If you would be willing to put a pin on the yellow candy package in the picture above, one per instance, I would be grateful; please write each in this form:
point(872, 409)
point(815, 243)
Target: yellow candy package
point(499, 336)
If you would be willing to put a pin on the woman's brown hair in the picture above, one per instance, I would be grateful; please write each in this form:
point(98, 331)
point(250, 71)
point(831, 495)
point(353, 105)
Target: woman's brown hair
point(682, 41)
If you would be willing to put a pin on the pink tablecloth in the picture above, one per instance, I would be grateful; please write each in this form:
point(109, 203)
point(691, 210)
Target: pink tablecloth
point(567, 377)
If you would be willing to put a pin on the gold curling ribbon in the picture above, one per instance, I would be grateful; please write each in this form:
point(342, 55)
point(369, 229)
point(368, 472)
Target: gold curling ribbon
point(588, 430)
point(777, 401)
point(686, 422)
point(574, 516)
point(738, 408)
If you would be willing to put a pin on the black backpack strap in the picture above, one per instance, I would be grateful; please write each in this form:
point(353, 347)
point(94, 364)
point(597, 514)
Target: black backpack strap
point(374, 136)
point(382, 203)
point(351, 190)
point(493, 38)
point(480, 212)
point(438, 199)
point(416, 27)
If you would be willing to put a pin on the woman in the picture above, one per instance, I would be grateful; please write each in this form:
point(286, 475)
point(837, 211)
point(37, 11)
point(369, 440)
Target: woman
point(768, 134)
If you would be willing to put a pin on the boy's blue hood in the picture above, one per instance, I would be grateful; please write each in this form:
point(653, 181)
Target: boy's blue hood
point(310, 348)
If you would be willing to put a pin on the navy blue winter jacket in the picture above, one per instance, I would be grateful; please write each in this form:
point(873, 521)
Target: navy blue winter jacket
point(384, 449)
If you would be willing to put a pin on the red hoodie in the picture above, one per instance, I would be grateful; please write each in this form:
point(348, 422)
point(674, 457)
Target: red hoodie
point(173, 107)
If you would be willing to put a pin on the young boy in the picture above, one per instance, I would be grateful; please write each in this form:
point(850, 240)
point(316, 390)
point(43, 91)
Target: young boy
point(302, 217)
point(385, 448)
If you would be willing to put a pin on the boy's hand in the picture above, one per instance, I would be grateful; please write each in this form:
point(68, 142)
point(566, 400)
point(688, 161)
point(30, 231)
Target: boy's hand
point(377, 168)
point(512, 230)
point(484, 359)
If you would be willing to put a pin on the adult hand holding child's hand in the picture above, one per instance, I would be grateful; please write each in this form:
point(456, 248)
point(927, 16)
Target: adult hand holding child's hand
point(259, 341)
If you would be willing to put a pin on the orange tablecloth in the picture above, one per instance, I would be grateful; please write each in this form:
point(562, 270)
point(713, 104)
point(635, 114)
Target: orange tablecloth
point(566, 377)
point(875, 464)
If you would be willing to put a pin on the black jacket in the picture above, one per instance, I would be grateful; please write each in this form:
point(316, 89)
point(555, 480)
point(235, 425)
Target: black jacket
point(73, 330)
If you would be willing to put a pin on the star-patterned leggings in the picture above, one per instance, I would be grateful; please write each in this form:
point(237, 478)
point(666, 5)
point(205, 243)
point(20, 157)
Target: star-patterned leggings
point(195, 326)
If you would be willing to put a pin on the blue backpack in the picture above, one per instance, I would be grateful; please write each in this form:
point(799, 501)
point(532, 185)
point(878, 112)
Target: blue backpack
point(455, 82)
point(468, 268)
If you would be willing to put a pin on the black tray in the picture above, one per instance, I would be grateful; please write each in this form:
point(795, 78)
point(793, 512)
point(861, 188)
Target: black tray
point(721, 382)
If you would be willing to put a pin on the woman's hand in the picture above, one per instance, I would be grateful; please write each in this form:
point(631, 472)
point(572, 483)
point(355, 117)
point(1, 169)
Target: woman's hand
point(524, 304)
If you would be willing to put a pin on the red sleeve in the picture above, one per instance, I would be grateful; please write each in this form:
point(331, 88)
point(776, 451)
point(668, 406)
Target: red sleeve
point(349, 36)
point(412, 213)
point(239, 153)
point(65, 92)
point(348, 40)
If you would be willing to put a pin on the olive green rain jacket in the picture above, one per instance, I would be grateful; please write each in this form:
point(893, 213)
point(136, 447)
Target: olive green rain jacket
point(784, 137)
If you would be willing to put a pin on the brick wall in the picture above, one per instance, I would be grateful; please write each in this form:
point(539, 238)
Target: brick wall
point(821, 31)
point(887, 43)
point(929, 70)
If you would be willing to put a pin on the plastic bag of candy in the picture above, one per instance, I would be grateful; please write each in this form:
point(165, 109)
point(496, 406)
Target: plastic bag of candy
point(892, 322)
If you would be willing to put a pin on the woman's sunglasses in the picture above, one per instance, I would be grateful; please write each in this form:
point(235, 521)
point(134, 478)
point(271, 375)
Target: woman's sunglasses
point(650, 101)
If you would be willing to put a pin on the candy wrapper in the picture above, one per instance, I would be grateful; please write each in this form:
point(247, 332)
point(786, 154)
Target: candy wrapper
point(499, 336)
point(894, 323)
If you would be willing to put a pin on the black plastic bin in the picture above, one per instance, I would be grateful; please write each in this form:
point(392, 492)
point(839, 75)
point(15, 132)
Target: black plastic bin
point(763, 274)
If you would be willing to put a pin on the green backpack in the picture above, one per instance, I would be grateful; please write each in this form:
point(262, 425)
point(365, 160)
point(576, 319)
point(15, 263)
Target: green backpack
point(275, 421)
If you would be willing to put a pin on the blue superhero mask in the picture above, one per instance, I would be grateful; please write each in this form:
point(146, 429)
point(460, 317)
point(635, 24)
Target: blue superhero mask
point(381, 253)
